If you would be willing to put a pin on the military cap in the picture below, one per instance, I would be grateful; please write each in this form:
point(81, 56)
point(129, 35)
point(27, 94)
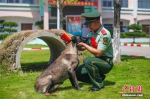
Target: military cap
point(90, 17)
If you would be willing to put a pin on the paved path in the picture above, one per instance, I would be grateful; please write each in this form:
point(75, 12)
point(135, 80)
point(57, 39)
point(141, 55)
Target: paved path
point(137, 51)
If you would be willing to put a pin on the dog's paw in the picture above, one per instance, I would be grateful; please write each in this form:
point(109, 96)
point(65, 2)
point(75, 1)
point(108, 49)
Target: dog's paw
point(80, 89)
point(47, 94)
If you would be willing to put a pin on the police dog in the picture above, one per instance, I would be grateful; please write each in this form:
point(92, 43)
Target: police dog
point(60, 70)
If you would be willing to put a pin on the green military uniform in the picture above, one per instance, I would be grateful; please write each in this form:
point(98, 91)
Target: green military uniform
point(95, 67)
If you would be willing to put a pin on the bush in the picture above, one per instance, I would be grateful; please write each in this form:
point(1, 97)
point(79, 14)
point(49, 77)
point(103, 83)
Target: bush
point(123, 35)
point(111, 32)
point(134, 27)
point(136, 34)
point(11, 24)
point(39, 24)
point(9, 30)
point(8, 26)
point(3, 36)
point(133, 34)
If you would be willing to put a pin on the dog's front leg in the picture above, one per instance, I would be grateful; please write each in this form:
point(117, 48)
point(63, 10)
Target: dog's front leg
point(54, 87)
point(73, 78)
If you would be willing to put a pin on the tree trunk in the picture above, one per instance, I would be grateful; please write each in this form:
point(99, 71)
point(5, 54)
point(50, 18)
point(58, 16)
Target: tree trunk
point(133, 39)
point(61, 13)
point(61, 18)
point(116, 42)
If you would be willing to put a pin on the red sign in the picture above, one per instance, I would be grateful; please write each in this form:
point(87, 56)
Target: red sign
point(79, 3)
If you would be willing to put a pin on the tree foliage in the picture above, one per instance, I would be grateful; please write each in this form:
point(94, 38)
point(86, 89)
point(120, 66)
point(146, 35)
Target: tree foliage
point(137, 31)
point(39, 24)
point(3, 36)
point(134, 27)
point(9, 26)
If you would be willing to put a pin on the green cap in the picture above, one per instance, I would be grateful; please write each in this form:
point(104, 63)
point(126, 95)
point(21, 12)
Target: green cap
point(90, 17)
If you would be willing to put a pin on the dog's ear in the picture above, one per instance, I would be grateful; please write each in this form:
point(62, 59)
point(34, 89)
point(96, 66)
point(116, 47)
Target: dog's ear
point(74, 39)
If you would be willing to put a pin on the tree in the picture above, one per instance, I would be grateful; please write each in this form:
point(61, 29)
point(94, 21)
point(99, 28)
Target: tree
point(136, 31)
point(39, 24)
point(116, 42)
point(8, 26)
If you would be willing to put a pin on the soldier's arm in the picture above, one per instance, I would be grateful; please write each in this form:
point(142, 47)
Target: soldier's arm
point(94, 51)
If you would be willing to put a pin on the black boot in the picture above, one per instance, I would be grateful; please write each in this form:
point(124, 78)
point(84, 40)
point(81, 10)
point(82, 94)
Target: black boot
point(95, 88)
point(103, 76)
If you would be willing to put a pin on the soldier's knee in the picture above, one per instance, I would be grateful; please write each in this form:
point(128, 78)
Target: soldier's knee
point(87, 61)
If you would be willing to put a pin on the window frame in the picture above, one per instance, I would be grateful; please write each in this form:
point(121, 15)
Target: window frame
point(105, 3)
point(144, 4)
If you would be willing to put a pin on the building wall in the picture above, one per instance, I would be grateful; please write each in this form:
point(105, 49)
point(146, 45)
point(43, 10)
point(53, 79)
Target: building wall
point(31, 13)
point(21, 20)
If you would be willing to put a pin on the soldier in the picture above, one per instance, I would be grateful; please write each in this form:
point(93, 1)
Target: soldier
point(93, 69)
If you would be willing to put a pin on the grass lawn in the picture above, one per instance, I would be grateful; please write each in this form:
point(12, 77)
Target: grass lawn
point(130, 72)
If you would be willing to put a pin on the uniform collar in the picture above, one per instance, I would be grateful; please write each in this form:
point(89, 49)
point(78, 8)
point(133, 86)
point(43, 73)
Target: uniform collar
point(97, 32)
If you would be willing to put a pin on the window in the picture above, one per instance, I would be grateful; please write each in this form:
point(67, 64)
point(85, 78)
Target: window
point(2, 1)
point(110, 3)
point(13, 1)
point(107, 3)
point(145, 4)
point(28, 1)
point(108, 26)
point(124, 3)
point(1, 26)
point(148, 4)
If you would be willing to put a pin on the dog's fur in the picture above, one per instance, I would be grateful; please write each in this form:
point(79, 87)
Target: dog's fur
point(60, 70)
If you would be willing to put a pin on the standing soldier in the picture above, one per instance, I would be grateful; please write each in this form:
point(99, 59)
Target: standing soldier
point(99, 43)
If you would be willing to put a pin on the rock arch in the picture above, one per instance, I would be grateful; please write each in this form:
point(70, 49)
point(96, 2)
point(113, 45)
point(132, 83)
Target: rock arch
point(12, 47)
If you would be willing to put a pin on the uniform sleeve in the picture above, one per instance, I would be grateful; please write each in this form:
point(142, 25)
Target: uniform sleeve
point(104, 42)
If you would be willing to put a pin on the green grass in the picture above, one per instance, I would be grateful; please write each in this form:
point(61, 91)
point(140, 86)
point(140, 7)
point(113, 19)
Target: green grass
point(130, 72)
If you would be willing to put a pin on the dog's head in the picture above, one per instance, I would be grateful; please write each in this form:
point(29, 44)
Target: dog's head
point(78, 39)
point(43, 84)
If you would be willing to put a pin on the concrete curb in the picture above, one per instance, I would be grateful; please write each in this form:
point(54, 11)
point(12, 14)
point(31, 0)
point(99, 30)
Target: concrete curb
point(46, 48)
point(122, 44)
point(134, 45)
point(136, 56)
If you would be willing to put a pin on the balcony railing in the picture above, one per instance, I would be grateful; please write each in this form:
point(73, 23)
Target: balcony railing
point(19, 1)
point(18, 7)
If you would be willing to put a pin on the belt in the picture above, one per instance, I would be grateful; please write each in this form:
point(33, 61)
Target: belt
point(107, 59)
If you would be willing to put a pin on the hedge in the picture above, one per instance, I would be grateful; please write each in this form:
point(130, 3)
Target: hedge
point(3, 36)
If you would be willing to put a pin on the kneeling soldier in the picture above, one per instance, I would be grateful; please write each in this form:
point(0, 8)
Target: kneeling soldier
point(99, 44)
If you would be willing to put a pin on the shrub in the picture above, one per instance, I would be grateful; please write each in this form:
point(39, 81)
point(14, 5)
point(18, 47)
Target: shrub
point(39, 24)
point(134, 27)
point(136, 34)
point(3, 36)
point(8, 26)
point(123, 35)
point(111, 32)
